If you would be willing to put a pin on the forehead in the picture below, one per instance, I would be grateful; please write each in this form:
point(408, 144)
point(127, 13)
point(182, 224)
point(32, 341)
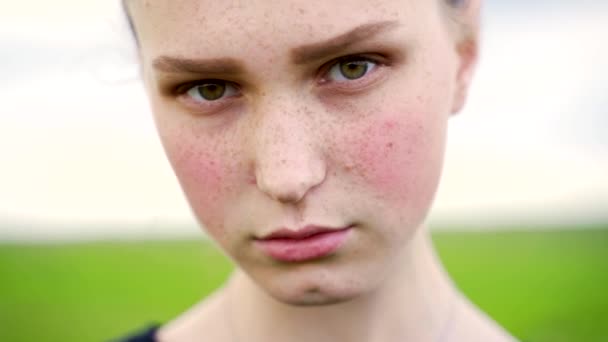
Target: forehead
point(186, 27)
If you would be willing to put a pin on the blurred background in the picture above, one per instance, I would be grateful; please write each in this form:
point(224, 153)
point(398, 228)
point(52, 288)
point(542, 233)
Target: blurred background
point(96, 238)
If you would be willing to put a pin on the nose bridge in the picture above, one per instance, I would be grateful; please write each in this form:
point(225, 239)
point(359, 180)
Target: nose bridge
point(288, 160)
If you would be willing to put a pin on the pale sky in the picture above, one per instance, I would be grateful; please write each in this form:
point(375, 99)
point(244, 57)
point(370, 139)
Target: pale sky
point(78, 146)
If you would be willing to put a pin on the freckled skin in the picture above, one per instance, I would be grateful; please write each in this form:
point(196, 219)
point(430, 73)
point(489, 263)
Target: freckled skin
point(386, 156)
point(292, 145)
point(292, 153)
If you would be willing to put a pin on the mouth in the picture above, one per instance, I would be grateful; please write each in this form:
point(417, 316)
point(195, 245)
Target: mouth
point(308, 243)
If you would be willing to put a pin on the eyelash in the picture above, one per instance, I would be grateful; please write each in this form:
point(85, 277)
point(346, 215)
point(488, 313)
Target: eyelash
point(335, 64)
point(372, 64)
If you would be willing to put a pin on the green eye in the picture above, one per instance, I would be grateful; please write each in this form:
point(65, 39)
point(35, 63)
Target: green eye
point(211, 91)
point(350, 69)
point(353, 70)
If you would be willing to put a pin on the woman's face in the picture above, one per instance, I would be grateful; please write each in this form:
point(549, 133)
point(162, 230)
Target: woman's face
point(282, 115)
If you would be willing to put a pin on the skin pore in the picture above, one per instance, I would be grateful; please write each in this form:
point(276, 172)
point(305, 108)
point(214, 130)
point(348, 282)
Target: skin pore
point(281, 115)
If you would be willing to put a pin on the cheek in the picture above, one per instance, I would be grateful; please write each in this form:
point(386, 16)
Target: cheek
point(399, 156)
point(205, 177)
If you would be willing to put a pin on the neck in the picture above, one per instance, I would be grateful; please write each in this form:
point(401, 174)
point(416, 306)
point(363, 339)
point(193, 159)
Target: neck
point(414, 303)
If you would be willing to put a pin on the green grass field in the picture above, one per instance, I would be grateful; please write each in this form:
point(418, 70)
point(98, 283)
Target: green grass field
point(542, 286)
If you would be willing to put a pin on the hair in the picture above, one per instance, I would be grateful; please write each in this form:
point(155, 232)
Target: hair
point(127, 14)
point(456, 10)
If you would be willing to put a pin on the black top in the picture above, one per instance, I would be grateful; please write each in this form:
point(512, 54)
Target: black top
point(146, 335)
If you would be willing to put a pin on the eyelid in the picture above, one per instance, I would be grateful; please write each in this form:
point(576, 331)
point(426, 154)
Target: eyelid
point(377, 59)
point(205, 107)
point(185, 87)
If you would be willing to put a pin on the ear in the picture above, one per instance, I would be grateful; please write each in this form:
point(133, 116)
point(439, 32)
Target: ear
point(466, 45)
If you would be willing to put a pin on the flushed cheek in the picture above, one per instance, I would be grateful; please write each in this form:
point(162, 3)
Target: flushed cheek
point(397, 156)
point(205, 176)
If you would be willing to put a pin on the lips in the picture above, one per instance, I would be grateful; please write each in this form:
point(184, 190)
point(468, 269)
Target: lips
point(308, 243)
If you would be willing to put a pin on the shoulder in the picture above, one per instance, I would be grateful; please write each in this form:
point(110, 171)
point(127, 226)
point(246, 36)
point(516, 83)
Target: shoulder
point(207, 316)
point(145, 335)
point(473, 325)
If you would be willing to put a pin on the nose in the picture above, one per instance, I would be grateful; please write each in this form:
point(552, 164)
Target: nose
point(288, 160)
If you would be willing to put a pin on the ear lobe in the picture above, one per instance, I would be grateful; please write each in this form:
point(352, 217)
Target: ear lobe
point(467, 51)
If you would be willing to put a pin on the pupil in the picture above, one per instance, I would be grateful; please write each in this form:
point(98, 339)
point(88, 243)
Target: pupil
point(212, 92)
point(353, 70)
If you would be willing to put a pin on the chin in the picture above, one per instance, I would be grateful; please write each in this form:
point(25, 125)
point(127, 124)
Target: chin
point(315, 287)
point(313, 297)
point(338, 279)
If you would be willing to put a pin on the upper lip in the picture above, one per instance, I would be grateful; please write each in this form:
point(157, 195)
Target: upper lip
point(308, 231)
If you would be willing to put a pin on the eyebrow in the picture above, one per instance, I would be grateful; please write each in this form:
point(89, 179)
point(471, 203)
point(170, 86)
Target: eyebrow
point(335, 45)
point(198, 66)
point(300, 55)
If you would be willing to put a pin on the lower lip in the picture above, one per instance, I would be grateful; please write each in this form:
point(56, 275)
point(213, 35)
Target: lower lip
point(310, 248)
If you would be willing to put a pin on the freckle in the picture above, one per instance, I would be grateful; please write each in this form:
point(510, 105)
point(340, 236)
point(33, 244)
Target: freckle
point(390, 124)
point(389, 145)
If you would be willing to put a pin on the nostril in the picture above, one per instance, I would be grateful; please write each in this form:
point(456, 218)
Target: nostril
point(289, 185)
point(290, 197)
point(282, 190)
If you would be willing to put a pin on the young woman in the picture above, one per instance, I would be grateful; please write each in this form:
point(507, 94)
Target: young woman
point(308, 137)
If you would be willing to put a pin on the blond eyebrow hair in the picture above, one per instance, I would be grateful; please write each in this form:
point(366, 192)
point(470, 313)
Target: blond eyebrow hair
point(335, 45)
